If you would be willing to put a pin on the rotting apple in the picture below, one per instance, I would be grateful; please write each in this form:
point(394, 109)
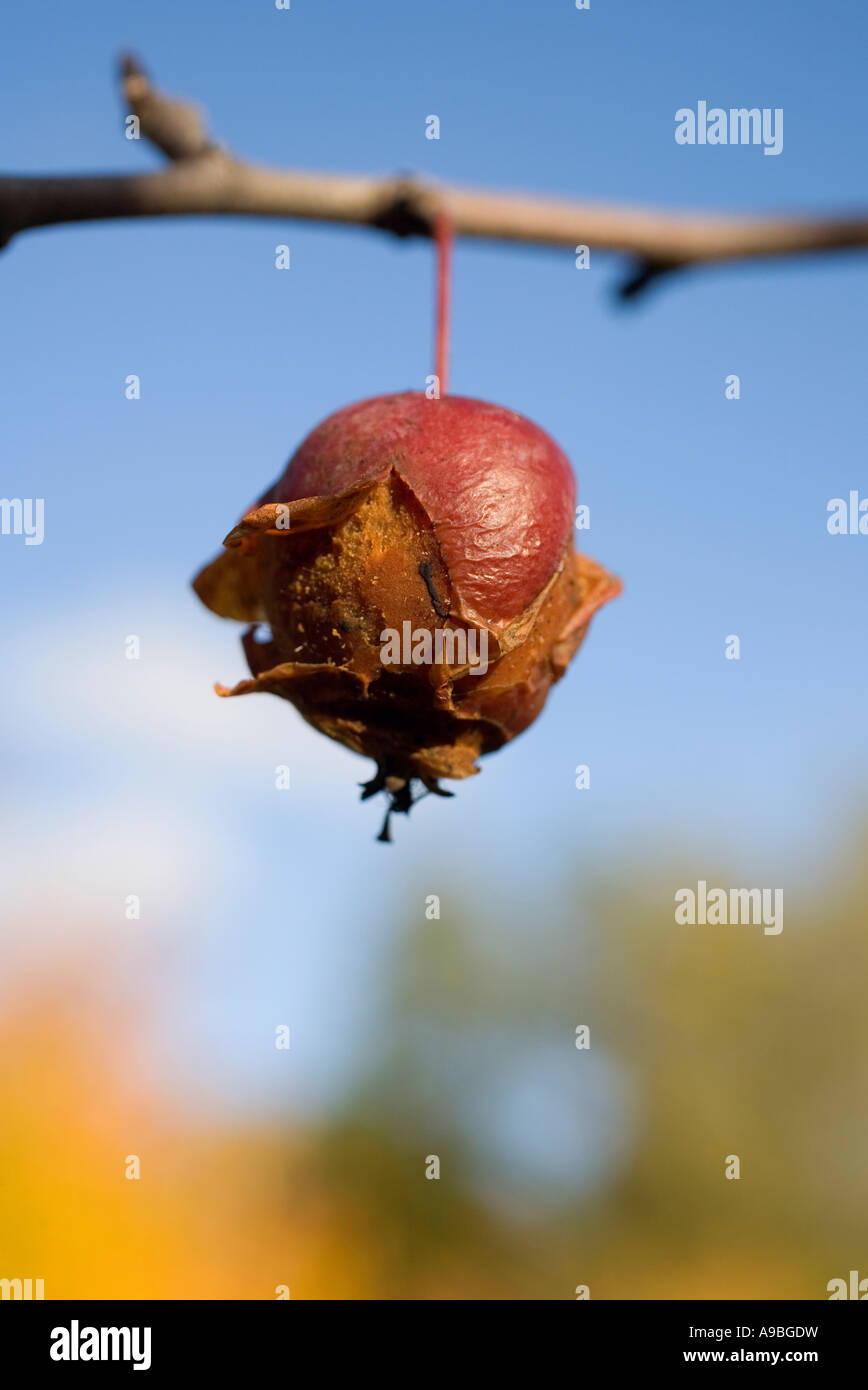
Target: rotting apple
point(433, 512)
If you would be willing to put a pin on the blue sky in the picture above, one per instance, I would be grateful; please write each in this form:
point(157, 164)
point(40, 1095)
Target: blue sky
point(280, 906)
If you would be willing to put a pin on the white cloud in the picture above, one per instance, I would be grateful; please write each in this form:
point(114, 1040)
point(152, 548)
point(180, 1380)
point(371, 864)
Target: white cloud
point(74, 687)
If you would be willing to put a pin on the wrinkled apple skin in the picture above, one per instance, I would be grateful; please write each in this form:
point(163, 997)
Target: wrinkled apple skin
point(500, 493)
point(449, 512)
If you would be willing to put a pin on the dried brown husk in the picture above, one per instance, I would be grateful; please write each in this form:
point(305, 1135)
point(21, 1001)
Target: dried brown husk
point(331, 574)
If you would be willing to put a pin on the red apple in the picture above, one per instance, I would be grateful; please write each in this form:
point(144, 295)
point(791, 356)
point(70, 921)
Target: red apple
point(453, 516)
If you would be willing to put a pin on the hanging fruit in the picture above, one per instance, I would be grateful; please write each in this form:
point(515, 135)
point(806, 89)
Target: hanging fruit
point(416, 567)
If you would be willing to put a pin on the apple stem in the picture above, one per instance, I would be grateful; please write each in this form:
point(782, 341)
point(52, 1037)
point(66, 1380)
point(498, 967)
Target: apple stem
point(443, 237)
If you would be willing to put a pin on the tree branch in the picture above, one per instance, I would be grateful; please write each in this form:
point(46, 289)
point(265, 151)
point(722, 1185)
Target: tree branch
point(203, 179)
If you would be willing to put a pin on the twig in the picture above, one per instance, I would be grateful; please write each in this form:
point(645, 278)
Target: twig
point(203, 179)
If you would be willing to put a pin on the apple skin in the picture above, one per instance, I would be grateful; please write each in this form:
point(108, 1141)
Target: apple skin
point(500, 493)
point(449, 512)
